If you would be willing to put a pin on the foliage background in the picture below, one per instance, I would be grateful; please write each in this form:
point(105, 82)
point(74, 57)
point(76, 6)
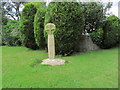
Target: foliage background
point(39, 26)
point(27, 26)
point(69, 26)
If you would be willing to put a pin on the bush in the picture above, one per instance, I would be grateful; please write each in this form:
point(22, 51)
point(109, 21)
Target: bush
point(10, 33)
point(4, 20)
point(39, 5)
point(69, 20)
point(39, 27)
point(119, 32)
point(110, 35)
point(94, 14)
point(27, 26)
point(8, 39)
point(97, 37)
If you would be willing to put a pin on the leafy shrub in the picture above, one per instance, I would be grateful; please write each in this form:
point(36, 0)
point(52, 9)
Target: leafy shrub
point(110, 34)
point(39, 27)
point(69, 20)
point(94, 14)
point(7, 39)
point(27, 26)
point(10, 33)
point(4, 20)
point(39, 5)
point(97, 37)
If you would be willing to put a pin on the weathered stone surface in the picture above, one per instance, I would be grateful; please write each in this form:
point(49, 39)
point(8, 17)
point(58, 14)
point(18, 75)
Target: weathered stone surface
point(86, 44)
point(50, 28)
point(53, 61)
point(51, 46)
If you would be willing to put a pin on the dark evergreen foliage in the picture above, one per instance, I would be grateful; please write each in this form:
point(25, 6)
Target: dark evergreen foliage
point(110, 32)
point(27, 26)
point(39, 26)
point(69, 20)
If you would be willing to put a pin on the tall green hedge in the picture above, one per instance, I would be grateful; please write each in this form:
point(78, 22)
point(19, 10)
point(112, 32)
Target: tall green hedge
point(110, 32)
point(108, 35)
point(94, 14)
point(27, 27)
point(39, 26)
point(119, 32)
point(69, 20)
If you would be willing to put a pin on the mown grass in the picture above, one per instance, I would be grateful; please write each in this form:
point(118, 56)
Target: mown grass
point(0, 68)
point(94, 69)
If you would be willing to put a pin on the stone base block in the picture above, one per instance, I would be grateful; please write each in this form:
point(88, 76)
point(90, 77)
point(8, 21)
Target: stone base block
point(53, 61)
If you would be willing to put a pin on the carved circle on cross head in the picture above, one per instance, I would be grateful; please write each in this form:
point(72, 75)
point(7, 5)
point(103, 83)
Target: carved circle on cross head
point(50, 28)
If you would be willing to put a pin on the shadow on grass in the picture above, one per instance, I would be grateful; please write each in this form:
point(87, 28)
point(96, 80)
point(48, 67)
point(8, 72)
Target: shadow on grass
point(36, 62)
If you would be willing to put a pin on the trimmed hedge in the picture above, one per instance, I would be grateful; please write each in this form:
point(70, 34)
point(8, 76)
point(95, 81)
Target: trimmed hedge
point(39, 27)
point(110, 34)
point(69, 20)
point(119, 32)
point(94, 14)
point(27, 27)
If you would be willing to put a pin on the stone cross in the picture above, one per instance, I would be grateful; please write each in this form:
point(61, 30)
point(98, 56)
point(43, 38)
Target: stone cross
point(50, 29)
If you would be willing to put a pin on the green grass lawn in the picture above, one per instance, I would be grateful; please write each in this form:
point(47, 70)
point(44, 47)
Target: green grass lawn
point(0, 68)
point(94, 69)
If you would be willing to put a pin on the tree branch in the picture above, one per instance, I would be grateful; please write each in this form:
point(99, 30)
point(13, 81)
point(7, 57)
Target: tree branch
point(11, 15)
